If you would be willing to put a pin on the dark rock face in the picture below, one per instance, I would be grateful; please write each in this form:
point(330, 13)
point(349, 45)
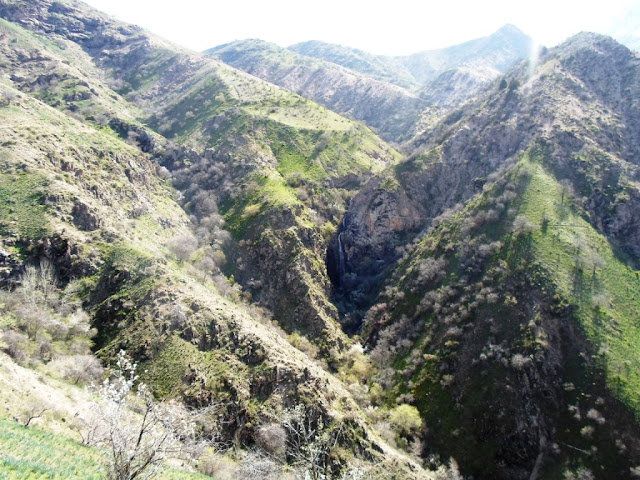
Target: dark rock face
point(141, 136)
point(10, 268)
point(84, 218)
point(451, 163)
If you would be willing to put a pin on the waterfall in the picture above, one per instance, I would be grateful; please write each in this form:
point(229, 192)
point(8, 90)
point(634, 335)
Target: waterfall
point(340, 258)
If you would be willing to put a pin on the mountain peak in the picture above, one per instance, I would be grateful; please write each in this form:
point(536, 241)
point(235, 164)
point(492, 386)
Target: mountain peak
point(596, 42)
point(510, 29)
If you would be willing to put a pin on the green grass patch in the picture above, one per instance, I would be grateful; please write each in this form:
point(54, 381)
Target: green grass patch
point(21, 208)
point(588, 270)
point(291, 163)
point(167, 369)
point(28, 453)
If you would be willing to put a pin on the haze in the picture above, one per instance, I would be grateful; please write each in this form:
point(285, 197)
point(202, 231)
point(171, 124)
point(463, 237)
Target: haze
point(392, 28)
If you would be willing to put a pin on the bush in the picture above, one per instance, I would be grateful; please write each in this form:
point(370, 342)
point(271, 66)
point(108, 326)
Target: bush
point(82, 369)
point(272, 438)
point(522, 225)
point(405, 419)
point(15, 344)
point(183, 246)
point(139, 442)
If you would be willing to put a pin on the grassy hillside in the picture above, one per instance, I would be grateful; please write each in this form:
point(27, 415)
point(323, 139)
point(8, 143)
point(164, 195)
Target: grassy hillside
point(92, 191)
point(389, 109)
point(516, 311)
point(593, 275)
point(28, 453)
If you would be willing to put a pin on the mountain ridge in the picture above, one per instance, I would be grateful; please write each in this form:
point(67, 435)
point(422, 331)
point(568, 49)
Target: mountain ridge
point(486, 193)
point(473, 297)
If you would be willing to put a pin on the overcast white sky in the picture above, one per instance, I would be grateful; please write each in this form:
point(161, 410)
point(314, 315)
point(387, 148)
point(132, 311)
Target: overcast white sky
point(392, 27)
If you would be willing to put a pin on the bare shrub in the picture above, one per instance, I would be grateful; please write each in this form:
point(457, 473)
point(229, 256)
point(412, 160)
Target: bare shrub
point(138, 432)
point(596, 416)
point(183, 246)
point(522, 225)
point(32, 319)
point(15, 344)
point(519, 361)
point(387, 432)
point(255, 465)
point(82, 369)
point(213, 464)
point(272, 438)
point(587, 431)
point(33, 409)
point(431, 270)
point(308, 443)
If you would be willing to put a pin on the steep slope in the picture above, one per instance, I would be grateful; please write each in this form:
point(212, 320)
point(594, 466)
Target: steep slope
point(83, 186)
point(573, 101)
point(93, 206)
point(390, 110)
point(498, 51)
point(511, 327)
point(240, 143)
point(358, 61)
point(509, 321)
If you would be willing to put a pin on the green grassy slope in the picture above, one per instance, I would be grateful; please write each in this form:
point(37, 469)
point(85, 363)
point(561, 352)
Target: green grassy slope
point(593, 275)
point(29, 454)
point(506, 331)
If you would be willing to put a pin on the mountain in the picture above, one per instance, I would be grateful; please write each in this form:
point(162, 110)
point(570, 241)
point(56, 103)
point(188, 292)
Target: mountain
point(389, 94)
point(503, 251)
point(390, 110)
point(357, 60)
point(491, 55)
point(498, 52)
point(324, 305)
point(176, 198)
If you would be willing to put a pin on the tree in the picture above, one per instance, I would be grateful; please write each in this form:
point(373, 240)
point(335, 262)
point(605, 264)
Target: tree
point(138, 432)
point(566, 189)
point(308, 442)
point(183, 246)
point(405, 419)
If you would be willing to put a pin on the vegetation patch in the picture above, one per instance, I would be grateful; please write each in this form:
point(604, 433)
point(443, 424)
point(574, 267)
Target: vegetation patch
point(590, 272)
point(21, 205)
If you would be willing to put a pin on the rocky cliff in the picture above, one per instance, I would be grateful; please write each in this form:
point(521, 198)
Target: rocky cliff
point(503, 230)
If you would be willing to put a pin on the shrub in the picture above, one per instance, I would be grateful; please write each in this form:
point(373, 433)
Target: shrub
point(596, 416)
point(405, 419)
point(137, 442)
point(15, 344)
point(183, 246)
point(272, 438)
point(82, 369)
point(522, 225)
point(519, 361)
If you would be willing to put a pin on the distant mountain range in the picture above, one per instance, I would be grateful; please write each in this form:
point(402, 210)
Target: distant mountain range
point(389, 94)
